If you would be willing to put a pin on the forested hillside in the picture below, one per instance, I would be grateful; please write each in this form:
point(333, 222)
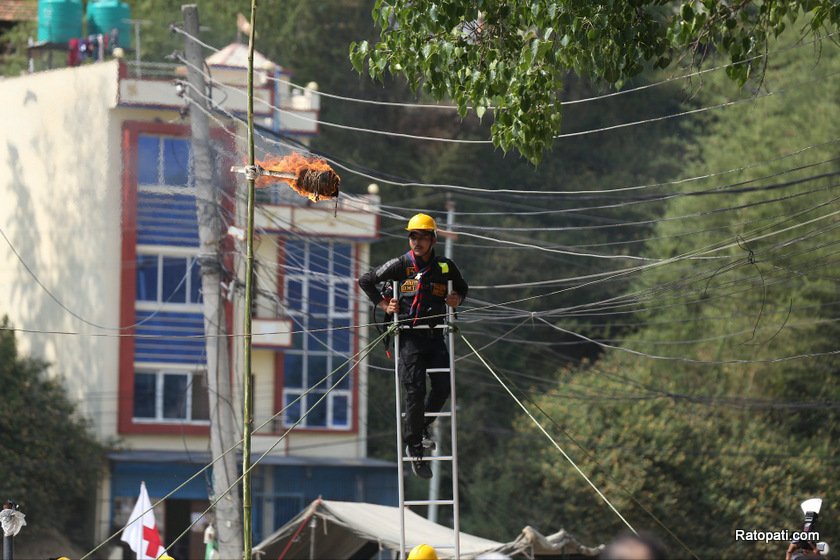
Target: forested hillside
point(717, 411)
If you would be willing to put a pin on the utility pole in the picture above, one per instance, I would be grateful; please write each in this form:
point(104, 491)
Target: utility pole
point(208, 197)
point(434, 486)
point(247, 379)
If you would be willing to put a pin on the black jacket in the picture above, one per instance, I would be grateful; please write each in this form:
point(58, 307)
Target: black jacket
point(433, 282)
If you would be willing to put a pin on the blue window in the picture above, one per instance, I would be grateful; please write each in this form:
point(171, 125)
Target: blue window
point(318, 298)
point(176, 161)
point(341, 336)
point(340, 417)
point(341, 260)
point(294, 295)
point(168, 279)
point(147, 277)
point(318, 294)
point(317, 416)
point(171, 396)
point(174, 280)
point(339, 379)
point(174, 396)
point(296, 257)
point(148, 156)
point(319, 333)
point(163, 161)
point(341, 299)
point(319, 258)
point(292, 409)
point(195, 282)
point(293, 371)
point(145, 388)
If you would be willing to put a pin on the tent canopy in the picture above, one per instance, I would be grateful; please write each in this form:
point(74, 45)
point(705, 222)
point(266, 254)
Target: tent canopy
point(531, 544)
point(350, 530)
point(354, 530)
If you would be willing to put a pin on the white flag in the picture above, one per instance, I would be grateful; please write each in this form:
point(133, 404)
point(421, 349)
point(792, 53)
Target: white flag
point(141, 533)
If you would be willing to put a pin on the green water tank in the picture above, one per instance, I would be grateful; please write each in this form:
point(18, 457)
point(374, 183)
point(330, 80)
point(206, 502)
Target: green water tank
point(59, 20)
point(105, 15)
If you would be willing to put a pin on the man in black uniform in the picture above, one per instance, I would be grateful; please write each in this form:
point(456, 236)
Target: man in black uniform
point(423, 282)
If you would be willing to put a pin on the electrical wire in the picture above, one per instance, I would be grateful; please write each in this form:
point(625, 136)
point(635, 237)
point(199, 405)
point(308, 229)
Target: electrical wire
point(643, 87)
point(731, 103)
point(546, 434)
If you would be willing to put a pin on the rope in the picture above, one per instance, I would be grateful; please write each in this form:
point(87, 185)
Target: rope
point(546, 434)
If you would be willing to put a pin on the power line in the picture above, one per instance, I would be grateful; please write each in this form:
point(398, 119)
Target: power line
point(553, 441)
point(395, 134)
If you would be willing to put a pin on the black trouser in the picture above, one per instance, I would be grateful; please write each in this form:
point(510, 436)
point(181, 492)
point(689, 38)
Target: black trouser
point(421, 350)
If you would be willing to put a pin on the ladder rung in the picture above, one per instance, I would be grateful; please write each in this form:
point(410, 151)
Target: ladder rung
point(428, 458)
point(409, 327)
point(437, 370)
point(429, 503)
point(431, 414)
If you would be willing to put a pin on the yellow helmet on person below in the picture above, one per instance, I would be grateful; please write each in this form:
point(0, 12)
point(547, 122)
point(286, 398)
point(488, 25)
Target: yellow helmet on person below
point(423, 222)
point(422, 551)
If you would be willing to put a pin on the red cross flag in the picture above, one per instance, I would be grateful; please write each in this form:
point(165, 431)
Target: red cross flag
point(141, 533)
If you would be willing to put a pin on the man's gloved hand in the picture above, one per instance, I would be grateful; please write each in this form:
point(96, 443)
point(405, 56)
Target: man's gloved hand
point(389, 305)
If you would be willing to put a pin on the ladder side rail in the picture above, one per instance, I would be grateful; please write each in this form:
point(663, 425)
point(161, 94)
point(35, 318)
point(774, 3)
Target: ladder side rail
point(400, 479)
point(453, 426)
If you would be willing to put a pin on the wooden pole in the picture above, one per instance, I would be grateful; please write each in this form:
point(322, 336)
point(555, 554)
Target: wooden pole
point(247, 417)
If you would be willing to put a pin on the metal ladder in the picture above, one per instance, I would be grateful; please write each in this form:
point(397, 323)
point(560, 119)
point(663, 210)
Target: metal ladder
point(453, 458)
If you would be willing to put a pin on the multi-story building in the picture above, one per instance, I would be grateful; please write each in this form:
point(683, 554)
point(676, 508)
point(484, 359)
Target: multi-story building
point(102, 274)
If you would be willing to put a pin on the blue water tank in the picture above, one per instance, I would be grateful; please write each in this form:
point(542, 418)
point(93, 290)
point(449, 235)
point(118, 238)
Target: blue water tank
point(105, 15)
point(59, 20)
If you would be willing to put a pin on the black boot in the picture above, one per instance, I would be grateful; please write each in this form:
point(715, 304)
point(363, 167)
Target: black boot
point(419, 467)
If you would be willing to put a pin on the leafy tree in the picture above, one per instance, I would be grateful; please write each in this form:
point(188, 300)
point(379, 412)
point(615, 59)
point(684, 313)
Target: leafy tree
point(712, 447)
point(50, 462)
point(513, 55)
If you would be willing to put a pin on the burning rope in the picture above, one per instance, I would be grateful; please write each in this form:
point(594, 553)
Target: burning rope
point(309, 177)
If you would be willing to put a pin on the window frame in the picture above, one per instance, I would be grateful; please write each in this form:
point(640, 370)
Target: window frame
point(160, 159)
point(302, 318)
point(160, 371)
point(161, 252)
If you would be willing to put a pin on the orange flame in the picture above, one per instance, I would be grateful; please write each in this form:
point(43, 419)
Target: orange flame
point(292, 163)
point(300, 166)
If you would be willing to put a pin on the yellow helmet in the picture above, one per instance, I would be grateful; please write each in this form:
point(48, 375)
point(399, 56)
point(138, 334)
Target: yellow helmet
point(422, 221)
point(422, 551)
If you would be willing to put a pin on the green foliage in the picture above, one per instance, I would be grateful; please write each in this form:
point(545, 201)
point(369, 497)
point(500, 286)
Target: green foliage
point(13, 42)
point(713, 447)
point(50, 462)
point(512, 55)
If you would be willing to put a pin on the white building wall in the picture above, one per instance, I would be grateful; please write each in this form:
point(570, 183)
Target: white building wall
point(60, 173)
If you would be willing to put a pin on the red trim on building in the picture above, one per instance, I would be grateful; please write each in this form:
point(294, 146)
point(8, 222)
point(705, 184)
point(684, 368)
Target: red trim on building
point(128, 289)
point(128, 279)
